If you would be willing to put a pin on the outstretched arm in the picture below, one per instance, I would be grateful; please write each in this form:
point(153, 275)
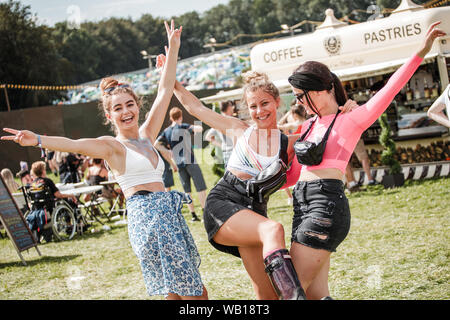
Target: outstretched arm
point(151, 127)
point(364, 116)
point(102, 147)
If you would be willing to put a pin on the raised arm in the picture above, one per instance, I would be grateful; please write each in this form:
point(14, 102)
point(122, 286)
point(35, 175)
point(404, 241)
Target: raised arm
point(225, 124)
point(151, 127)
point(367, 114)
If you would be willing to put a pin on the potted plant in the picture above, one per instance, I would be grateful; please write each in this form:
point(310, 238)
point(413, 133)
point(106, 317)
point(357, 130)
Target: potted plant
point(395, 177)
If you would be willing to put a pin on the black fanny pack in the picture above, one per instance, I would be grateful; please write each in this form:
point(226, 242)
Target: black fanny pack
point(267, 181)
point(309, 153)
point(260, 187)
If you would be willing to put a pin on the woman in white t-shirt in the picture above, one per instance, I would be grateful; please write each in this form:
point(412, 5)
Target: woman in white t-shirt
point(436, 111)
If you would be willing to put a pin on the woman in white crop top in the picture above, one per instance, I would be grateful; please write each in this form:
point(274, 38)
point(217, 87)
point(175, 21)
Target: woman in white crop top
point(154, 216)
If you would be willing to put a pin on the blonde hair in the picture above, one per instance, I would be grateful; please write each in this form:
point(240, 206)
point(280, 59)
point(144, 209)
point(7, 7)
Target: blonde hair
point(38, 168)
point(105, 102)
point(253, 81)
point(9, 180)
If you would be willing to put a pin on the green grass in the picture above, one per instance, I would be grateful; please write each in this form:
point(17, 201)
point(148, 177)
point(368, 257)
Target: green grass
point(397, 248)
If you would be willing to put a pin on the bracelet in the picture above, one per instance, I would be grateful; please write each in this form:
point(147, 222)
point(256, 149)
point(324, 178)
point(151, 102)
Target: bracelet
point(39, 145)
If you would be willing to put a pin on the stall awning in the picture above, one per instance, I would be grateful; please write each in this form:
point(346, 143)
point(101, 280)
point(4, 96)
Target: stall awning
point(370, 70)
point(376, 69)
point(234, 94)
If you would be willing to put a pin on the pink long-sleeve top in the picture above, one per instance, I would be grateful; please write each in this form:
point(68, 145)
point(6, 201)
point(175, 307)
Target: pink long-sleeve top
point(349, 127)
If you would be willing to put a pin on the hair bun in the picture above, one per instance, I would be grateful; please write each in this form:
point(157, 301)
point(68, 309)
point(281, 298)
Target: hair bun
point(254, 76)
point(108, 83)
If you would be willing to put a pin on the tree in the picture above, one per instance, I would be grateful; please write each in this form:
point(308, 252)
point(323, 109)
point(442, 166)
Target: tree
point(79, 51)
point(27, 56)
point(388, 154)
point(153, 32)
point(393, 4)
point(192, 38)
point(265, 17)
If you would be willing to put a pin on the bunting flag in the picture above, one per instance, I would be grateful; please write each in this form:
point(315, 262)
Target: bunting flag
point(43, 88)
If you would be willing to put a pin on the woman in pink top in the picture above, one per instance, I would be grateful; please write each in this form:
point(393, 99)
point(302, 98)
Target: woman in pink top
point(321, 212)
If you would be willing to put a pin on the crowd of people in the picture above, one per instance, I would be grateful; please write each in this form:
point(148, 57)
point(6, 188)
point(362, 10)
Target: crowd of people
point(220, 69)
point(311, 152)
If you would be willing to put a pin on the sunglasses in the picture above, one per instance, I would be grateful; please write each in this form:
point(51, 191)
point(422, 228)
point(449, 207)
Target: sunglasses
point(299, 96)
point(120, 85)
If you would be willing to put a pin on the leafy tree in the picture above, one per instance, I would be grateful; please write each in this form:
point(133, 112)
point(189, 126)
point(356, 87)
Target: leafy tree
point(81, 66)
point(120, 44)
point(153, 34)
point(193, 34)
point(392, 4)
point(27, 56)
point(265, 17)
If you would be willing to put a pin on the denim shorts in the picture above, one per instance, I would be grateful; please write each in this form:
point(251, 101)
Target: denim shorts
point(321, 214)
point(223, 201)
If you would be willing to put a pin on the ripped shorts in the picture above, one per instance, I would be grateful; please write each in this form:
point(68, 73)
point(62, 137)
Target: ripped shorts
point(321, 214)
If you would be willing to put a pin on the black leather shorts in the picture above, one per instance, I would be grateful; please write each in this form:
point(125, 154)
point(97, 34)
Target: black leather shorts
point(223, 201)
point(321, 214)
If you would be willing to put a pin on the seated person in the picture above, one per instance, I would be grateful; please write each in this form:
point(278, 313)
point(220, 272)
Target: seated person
point(68, 167)
point(9, 180)
point(25, 177)
point(97, 173)
point(42, 188)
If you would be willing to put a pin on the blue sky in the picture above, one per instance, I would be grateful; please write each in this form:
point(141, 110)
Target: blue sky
point(51, 11)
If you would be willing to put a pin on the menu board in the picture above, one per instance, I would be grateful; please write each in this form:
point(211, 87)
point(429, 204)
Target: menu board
point(14, 222)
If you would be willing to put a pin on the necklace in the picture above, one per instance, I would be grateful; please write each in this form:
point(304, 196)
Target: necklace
point(143, 146)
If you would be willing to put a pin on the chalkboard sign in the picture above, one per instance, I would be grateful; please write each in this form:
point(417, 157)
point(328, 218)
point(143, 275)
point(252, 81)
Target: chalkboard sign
point(14, 222)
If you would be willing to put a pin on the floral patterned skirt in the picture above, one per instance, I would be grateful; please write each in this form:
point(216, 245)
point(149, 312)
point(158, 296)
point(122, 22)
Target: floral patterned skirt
point(161, 240)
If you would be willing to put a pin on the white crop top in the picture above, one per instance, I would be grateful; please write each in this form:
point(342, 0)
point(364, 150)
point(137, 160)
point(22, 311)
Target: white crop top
point(245, 159)
point(139, 169)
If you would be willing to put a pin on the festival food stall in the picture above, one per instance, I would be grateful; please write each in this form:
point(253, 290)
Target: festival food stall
point(364, 55)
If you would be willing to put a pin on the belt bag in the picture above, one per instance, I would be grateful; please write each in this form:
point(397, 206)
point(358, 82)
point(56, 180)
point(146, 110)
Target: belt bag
point(309, 153)
point(267, 181)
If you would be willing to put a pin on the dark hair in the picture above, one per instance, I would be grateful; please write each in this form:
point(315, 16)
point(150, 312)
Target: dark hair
point(97, 160)
point(315, 76)
point(225, 104)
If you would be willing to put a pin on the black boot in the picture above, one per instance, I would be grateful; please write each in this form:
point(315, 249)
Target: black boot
point(194, 216)
point(282, 274)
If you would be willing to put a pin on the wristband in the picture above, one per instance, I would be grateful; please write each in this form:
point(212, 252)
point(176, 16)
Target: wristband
point(39, 145)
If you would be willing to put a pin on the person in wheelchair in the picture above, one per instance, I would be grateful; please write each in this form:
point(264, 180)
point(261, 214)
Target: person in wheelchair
point(43, 194)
